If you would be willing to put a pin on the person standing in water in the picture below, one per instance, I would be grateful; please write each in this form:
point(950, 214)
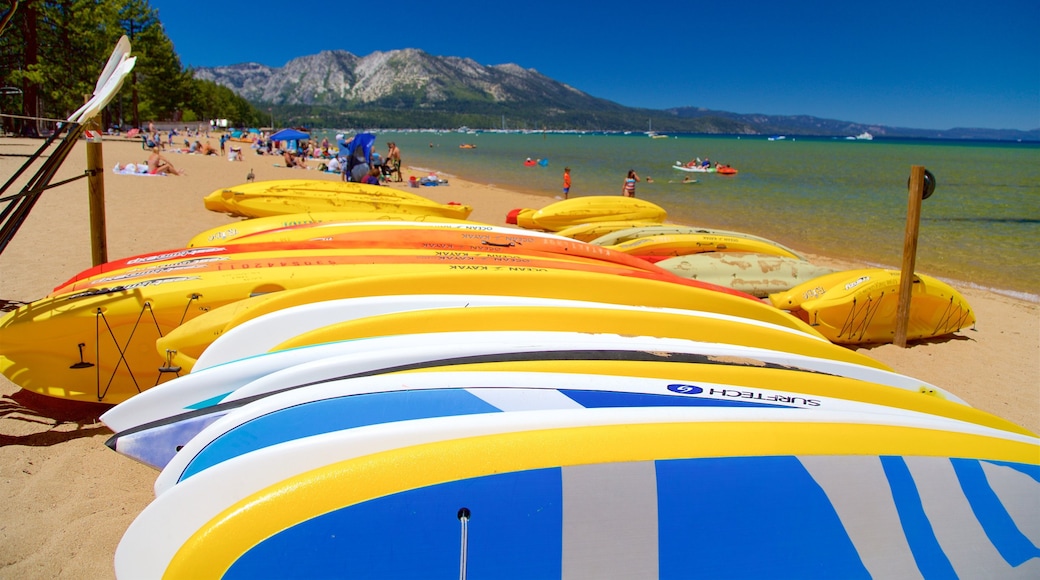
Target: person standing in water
point(566, 182)
point(629, 190)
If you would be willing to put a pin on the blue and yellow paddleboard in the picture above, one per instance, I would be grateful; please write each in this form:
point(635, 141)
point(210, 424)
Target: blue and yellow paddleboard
point(624, 492)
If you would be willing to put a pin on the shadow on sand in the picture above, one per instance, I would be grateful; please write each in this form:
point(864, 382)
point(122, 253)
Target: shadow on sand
point(922, 341)
point(53, 416)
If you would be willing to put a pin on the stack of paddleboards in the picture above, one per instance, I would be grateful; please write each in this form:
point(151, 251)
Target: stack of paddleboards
point(497, 435)
point(436, 399)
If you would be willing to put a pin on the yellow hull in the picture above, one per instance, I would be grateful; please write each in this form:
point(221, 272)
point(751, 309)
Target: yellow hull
point(227, 233)
point(191, 338)
point(793, 298)
point(755, 274)
point(594, 320)
point(686, 244)
point(862, 308)
point(523, 219)
point(377, 246)
point(273, 198)
point(591, 231)
point(646, 231)
point(464, 231)
point(600, 208)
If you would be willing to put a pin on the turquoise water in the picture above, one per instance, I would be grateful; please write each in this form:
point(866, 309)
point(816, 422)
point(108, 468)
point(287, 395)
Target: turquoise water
point(834, 197)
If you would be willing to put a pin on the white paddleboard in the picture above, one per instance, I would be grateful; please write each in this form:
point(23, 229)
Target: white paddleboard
point(328, 406)
point(208, 387)
point(263, 333)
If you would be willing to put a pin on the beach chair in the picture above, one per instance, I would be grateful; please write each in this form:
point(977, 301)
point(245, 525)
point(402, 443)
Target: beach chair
point(147, 143)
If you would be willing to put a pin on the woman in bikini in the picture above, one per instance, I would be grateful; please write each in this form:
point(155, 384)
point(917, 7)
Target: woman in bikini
point(629, 189)
point(159, 165)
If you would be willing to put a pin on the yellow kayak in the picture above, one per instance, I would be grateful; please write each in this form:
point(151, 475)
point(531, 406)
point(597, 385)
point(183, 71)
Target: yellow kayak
point(227, 233)
point(792, 298)
point(685, 244)
point(98, 343)
point(597, 208)
point(271, 198)
point(862, 308)
point(756, 274)
point(591, 231)
point(646, 231)
point(523, 219)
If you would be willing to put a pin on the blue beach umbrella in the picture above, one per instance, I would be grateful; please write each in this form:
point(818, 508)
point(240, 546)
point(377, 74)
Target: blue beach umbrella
point(289, 135)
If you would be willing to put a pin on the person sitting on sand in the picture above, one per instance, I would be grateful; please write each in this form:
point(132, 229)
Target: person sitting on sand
point(207, 149)
point(293, 160)
point(372, 178)
point(159, 165)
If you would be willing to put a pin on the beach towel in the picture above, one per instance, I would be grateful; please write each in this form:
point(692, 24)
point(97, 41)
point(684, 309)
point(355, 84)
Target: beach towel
point(133, 169)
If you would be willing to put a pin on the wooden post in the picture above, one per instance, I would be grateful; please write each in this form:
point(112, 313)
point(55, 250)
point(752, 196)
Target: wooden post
point(96, 194)
point(906, 275)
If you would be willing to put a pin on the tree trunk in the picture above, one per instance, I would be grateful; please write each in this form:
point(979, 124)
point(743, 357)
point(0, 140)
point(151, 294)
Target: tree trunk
point(30, 92)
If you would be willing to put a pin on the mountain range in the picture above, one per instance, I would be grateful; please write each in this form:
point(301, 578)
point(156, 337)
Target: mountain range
point(410, 88)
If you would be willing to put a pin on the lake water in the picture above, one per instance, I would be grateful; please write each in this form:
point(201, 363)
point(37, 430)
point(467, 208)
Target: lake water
point(837, 197)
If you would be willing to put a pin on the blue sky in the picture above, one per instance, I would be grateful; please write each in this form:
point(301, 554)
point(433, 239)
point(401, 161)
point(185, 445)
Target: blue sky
point(906, 63)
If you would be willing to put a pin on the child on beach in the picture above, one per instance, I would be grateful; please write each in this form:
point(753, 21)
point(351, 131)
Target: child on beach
point(629, 189)
point(372, 178)
point(566, 182)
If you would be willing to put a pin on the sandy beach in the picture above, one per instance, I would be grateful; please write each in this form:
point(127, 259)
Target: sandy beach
point(67, 499)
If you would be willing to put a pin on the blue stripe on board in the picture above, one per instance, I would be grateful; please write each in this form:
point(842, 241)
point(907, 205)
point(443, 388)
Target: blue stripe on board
point(602, 399)
point(1032, 471)
point(928, 554)
point(208, 402)
point(1012, 544)
point(514, 532)
point(336, 414)
point(749, 517)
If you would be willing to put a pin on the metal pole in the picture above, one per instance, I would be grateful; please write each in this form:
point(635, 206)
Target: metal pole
point(463, 515)
point(906, 276)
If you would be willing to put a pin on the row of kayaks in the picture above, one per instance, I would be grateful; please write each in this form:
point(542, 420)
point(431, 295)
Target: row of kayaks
point(417, 398)
point(94, 337)
point(848, 307)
